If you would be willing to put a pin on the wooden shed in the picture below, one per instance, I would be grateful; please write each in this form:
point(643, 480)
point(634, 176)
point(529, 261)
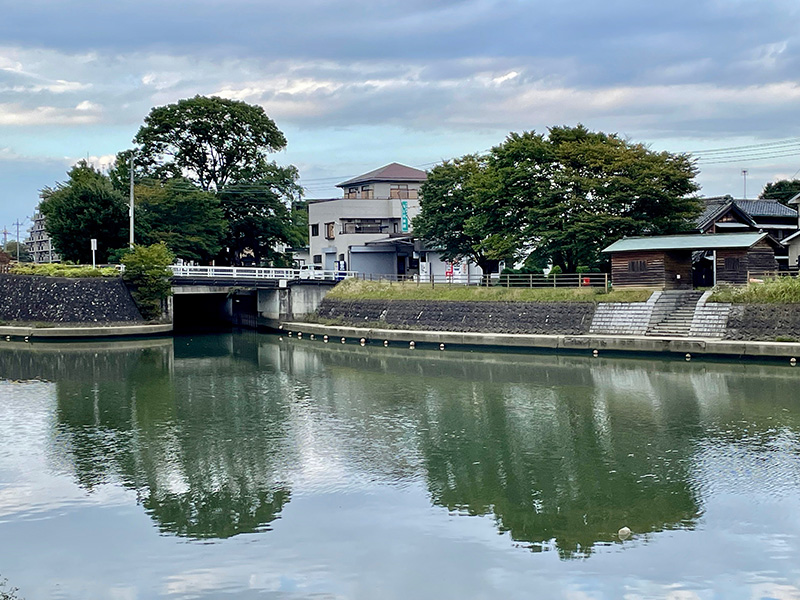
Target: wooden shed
point(665, 262)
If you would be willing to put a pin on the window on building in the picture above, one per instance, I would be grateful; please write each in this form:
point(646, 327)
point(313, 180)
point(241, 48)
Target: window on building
point(329, 231)
point(366, 192)
point(635, 266)
point(317, 259)
point(315, 229)
point(341, 257)
point(731, 264)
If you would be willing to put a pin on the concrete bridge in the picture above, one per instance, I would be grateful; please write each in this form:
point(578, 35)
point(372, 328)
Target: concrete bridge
point(246, 296)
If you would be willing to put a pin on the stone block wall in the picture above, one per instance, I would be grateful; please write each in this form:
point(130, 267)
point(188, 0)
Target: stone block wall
point(623, 318)
point(31, 298)
point(564, 318)
point(765, 322)
point(710, 318)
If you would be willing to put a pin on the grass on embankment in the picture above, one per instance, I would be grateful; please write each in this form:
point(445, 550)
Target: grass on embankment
point(353, 289)
point(783, 290)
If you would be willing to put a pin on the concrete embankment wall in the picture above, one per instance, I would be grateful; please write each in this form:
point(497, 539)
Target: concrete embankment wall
point(568, 318)
point(31, 298)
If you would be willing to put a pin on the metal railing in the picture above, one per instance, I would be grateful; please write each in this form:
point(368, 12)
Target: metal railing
point(512, 280)
point(761, 276)
point(257, 273)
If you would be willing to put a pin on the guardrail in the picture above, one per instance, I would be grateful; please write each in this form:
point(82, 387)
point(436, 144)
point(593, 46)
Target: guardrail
point(761, 276)
point(526, 280)
point(257, 273)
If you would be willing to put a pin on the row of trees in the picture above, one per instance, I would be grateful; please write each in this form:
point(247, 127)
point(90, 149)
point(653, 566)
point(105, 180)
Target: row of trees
point(203, 186)
point(554, 199)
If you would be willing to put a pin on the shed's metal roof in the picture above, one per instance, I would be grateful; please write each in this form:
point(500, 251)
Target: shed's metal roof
point(713, 241)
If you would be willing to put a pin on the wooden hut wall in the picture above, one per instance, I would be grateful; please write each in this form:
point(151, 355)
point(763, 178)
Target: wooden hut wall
point(638, 269)
point(733, 265)
point(677, 264)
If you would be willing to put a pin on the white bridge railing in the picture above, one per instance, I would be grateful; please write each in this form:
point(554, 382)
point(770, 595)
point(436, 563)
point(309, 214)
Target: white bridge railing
point(257, 273)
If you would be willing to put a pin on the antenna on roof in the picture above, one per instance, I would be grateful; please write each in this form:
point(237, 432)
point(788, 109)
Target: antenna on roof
point(744, 175)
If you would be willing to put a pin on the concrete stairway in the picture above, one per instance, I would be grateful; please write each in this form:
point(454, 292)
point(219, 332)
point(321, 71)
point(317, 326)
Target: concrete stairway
point(673, 314)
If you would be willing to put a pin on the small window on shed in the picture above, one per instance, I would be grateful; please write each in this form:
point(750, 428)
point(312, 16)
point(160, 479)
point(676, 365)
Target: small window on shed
point(731, 264)
point(635, 266)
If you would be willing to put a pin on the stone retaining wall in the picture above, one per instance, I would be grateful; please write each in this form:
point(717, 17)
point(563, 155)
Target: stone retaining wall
point(568, 318)
point(767, 322)
point(31, 298)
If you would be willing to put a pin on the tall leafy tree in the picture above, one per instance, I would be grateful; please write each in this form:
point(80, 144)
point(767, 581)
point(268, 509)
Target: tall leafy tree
point(604, 188)
point(782, 190)
point(212, 141)
point(177, 213)
point(557, 199)
point(261, 223)
point(458, 215)
point(85, 206)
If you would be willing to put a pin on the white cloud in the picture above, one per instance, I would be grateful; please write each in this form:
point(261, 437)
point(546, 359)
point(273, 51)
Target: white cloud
point(16, 115)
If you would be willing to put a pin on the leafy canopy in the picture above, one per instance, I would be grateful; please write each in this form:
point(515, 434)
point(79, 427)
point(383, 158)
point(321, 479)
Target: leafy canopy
point(86, 206)
point(211, 141)
point(260, 220)
point(555, 200)
point(782, 190)
point(189, 221)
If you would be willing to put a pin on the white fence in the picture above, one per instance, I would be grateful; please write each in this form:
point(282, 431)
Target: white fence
point(257, 273)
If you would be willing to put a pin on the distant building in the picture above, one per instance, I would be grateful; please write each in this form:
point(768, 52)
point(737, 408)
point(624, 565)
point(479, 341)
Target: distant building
point(39, 244)
point(792, 243)
point(369, 229)
point(724, 214)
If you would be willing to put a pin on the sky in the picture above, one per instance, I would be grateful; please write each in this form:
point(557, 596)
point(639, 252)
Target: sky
point(355, 86)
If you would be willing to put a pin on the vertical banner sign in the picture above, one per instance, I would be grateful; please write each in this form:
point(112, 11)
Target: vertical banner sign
point(404, 216)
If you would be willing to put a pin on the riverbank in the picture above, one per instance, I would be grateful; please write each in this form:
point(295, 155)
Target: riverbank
point(62, 332)
point(571, 343)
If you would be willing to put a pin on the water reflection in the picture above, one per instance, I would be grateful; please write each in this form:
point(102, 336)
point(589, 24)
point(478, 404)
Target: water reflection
point(215, 434)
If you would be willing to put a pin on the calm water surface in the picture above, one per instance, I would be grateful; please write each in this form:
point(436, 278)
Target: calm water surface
point(244, 466)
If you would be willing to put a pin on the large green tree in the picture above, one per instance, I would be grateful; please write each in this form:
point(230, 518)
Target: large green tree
point(85, 206)
point(458, 217)
point(782, 190)
point(555, 199)
point(604, 188)
point(261, 222)
point(212, 141)
point(189, 221)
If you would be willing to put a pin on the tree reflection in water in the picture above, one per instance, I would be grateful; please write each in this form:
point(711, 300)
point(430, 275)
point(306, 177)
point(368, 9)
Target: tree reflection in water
point(212, 433)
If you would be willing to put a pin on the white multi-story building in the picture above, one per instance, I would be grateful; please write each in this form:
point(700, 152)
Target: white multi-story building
point(369, 229)
point(39, 243)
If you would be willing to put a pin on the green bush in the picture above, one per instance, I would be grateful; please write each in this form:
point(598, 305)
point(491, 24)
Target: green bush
point(147, 273)
point(781, 290)
point(62, 270)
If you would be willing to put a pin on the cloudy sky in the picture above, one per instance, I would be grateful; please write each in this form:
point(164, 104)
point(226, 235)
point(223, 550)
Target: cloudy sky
point(357, 85)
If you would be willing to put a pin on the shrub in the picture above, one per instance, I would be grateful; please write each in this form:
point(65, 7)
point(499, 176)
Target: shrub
point(147, 273)
point(62, 270)
point(782, 290)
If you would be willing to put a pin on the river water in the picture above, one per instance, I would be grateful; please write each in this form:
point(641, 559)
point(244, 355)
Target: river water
point(247, 466)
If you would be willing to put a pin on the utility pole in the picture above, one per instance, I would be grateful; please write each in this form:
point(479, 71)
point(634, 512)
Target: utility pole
point(5, 238)
point(744, 175)
point(130, 209)
point(17, 224)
